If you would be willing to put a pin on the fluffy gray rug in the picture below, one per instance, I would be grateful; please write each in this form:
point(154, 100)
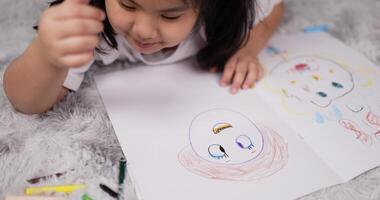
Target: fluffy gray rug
point(77, 138)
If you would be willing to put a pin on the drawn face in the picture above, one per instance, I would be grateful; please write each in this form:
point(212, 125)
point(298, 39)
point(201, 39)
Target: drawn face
point(224, 136)
point(314, 80)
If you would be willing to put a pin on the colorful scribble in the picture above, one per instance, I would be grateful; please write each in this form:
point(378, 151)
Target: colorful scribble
point(329, 91)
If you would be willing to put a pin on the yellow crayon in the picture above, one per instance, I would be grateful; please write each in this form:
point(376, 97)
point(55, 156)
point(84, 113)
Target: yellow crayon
point(59, 188)
point(33, 198)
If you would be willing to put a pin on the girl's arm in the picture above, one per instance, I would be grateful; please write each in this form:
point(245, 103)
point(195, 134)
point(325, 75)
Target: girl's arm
point(262, 32)
point(67, 36)
point(243, 69)
point(31, 83)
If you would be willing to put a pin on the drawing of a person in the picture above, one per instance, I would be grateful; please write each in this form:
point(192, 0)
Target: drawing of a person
point(226, 145)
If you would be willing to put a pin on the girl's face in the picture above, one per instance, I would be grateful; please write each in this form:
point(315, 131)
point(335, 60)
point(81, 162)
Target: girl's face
point(151, 25)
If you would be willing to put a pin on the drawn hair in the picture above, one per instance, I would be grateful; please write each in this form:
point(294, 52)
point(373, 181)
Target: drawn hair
point(227, 24)
point(272, 159)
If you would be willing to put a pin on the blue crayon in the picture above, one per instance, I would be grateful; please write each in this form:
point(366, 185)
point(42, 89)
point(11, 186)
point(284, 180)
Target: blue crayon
point(273, 50)
point(316, 29)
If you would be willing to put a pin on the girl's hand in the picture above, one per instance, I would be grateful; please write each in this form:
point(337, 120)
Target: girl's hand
point(242, 71)
point(68, 33)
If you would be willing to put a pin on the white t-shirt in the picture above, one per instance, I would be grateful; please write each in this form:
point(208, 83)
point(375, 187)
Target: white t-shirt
point(187, 48)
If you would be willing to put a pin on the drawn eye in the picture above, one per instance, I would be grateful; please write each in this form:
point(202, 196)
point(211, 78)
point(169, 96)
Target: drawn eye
point(217, 151)
point(322, 94)
point(336, 85)
point(244, 142)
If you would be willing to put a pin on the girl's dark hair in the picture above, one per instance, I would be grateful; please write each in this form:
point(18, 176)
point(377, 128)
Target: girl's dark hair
point(227, 24)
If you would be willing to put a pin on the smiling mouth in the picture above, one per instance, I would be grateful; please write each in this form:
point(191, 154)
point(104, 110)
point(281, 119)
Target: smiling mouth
point(353, 110)
point(144, 45)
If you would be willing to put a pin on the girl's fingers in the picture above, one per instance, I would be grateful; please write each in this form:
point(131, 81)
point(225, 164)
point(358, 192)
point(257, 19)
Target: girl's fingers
point(261, 71)
point(239, 76)
point(66, 11)
point(78, 45)
point(252, 76)
point(75, 27)
point(76, 60)
point(228, 72)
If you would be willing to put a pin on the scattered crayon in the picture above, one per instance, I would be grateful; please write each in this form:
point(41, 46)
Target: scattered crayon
point(48, 189)
point(316, 28)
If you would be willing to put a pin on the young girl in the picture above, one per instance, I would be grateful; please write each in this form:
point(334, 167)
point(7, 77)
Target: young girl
point(225, 35)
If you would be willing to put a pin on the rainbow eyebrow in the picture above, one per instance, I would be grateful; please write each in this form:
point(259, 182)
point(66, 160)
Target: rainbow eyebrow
point(220, 126)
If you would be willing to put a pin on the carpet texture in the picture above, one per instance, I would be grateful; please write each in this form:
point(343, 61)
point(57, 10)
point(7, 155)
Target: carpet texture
point(77, 138)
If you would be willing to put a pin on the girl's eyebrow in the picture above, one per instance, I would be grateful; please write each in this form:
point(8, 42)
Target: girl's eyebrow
point(180, 8)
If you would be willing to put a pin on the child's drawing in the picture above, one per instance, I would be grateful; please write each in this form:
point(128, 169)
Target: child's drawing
point(330, 91)
point(227, 145)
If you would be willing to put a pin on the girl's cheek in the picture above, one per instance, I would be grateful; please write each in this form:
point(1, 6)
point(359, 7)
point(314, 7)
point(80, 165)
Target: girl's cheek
point(168, 35)
point(121, 23)
point(119, 18)
point(176, 33)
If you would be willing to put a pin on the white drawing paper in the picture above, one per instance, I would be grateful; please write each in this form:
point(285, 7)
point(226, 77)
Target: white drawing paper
point(185, 137)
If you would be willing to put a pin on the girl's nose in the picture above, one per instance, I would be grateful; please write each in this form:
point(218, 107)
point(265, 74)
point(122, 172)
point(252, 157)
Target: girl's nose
point(145, 27)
